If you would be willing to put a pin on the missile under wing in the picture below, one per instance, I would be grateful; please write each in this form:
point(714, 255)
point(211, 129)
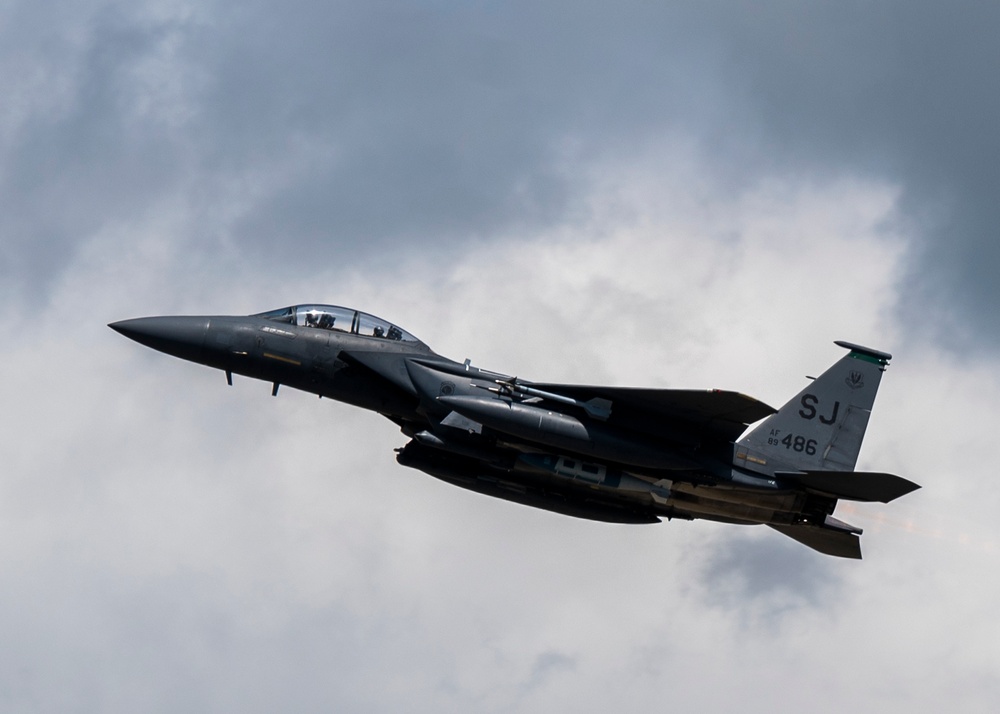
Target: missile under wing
point(623, 455)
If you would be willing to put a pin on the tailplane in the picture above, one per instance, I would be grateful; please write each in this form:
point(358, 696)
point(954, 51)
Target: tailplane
point(832, 537)
point(821, 429)
point(850, 485)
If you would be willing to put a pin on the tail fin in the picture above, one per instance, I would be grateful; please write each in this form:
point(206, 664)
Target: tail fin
point(821, 429)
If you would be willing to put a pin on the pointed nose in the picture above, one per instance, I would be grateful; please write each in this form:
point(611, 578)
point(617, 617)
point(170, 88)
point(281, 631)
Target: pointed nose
point(182, 337)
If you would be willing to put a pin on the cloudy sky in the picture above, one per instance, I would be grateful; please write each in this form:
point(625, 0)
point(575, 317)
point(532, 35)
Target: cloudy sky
point(700, 195)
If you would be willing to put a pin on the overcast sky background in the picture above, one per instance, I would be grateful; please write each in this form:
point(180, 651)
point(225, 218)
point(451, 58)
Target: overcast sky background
point(693, 196)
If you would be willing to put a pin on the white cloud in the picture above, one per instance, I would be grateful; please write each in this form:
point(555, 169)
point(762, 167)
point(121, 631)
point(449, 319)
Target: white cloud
point(219, 548)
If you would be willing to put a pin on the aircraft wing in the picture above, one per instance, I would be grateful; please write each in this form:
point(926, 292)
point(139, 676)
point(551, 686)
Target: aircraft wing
point(721, 413)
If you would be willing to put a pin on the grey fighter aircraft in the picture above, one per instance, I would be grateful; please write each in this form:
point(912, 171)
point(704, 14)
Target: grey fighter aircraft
point(616, 454)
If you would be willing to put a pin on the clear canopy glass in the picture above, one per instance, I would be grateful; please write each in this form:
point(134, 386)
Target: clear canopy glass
point(338, 319)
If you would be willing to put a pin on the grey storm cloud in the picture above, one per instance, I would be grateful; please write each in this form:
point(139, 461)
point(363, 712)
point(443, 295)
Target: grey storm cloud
point(350, 128)
point(766, 574)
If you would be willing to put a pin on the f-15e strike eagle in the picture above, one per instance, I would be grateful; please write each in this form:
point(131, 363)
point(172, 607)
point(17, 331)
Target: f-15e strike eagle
point(616, 454)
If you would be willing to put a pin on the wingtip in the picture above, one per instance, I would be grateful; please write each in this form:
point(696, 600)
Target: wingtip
point(862, 350)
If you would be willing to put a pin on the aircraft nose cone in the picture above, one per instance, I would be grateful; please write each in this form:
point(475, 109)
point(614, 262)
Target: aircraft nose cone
point(182, 337)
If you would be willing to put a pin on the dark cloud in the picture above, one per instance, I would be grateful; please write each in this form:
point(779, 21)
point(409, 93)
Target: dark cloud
point(901, 93)
point(348, 129)
point(764, 576)
point(547, 665)
point(345, 129)
point(432, 125)
point(86, 156)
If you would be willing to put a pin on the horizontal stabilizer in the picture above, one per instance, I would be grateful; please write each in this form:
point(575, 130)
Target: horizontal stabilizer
point(831, 541)
point(851, 485)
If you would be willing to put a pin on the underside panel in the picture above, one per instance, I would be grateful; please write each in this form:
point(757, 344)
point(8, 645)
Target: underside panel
point(476, 476)
point(549, 501)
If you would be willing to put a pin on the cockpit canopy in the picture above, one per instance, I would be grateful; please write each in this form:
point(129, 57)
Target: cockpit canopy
point(338, 319)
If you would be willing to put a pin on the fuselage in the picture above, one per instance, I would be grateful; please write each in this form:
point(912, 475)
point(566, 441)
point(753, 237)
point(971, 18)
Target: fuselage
point(465, 429)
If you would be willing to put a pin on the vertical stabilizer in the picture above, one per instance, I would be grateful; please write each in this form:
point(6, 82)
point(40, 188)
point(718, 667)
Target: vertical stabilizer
point(821, 429)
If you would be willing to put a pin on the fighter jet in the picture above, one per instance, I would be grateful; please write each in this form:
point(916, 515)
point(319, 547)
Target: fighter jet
point(615, 454)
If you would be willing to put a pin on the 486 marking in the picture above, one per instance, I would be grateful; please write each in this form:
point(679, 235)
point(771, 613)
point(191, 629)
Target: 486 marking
point(795, 442)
